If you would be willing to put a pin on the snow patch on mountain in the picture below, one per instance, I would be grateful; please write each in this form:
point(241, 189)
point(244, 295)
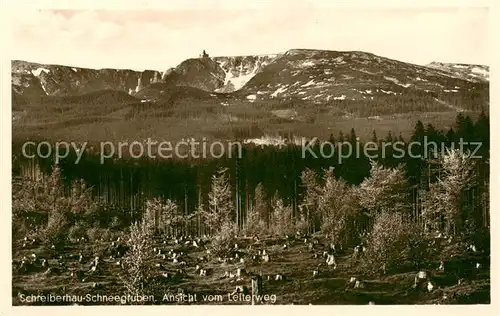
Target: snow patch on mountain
point(278, 91)
point(396, 81)
point(43, 87)
point(307, 63)
point(480, 71)
point(239, 81)
point(458, 109)
point(38, 71)
point(469, 72)
point(238, 70)
point(309, 83)
point(339, 60)
point(389, 92)
point(138, 87)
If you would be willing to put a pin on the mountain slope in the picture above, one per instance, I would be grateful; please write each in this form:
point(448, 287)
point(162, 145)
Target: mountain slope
point(221, 74)
point(323, 76)
point(313, 76)
point(239, 70)
point(474, 73)
point(218, 74)
point(306, 92)
point(35, 80)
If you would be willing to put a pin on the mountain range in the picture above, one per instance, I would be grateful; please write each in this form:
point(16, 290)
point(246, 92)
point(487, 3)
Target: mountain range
point(286, 75)
point(300, 85)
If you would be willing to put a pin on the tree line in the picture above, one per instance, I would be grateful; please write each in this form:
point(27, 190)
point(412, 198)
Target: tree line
point(276, 191)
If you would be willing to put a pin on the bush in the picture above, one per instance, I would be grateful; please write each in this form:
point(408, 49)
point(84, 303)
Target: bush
point(164, 215)
point(77, 231)
point(116, 223)
point(254, 225)
point(56, 231)
point(107, 234)
point(422, 250)
point(339, 205)
point(223, 242)
point(97, 233)
point(94, 234)
point(138, 261)
point(480, 238)
point(100, 214)
point(19, 228)
point(42, 205)
point(30, 207)
point(395, 243)
point(301, 227)
point(281, 219)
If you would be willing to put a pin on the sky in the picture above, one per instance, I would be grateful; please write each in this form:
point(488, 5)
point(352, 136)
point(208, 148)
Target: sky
point(162, 39)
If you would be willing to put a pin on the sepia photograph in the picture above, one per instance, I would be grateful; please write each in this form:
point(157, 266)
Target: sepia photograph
point(277, 154)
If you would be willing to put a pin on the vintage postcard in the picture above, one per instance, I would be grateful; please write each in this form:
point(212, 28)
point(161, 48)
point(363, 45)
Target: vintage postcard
point(275, 153)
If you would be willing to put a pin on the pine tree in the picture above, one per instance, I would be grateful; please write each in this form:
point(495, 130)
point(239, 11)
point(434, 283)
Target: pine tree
point(465, 128)
point(341, 137)
point(389, 137)
point(255, 222)
point(485, 205)
point(309, 205)
point(164, 214)
point(416, 163)
point(418, 132)
point(219, 216)
point(433, 136)
point(138, 261)
point(337, 204)
point(331, 138)
point(400, 138)
point(447, 198)
point(352, 136)
point(282, 221)
point(386, 190)
point(482, 133)
point(459, 124)
point(450, 137)
point(431, 132)
point(219, 200)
